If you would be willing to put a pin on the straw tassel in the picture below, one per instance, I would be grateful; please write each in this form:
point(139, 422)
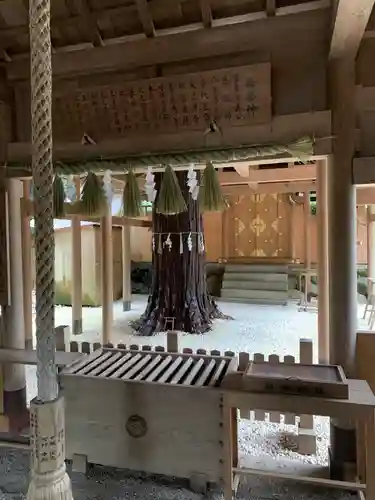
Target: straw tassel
point(210, 195)
point(131, 198)
point(94, 200)
point(170, 200)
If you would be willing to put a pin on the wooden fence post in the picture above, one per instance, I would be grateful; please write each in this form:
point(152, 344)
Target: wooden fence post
point(172, 341)
point(306, 432)
point(62, 334)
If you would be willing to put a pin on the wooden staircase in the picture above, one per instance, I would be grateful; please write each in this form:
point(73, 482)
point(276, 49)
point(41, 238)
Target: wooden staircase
point(256, 283)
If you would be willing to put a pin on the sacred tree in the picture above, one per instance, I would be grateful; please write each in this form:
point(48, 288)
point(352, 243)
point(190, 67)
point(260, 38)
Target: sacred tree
point(179, 298)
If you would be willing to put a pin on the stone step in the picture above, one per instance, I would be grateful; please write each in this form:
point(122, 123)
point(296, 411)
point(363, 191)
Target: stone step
point(281, 277)
point(256, 268)
point(258, 295)
point(228, 282)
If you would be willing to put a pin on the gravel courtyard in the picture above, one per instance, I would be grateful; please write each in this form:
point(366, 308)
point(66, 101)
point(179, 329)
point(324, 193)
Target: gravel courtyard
point(264, 329)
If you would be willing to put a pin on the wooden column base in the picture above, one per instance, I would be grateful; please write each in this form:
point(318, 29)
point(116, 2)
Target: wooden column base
point(16, 411)
point(29, 344)
point(77, 326)
point(126, 305)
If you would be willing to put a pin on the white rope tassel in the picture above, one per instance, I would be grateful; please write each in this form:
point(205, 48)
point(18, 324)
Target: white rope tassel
point(51, 486)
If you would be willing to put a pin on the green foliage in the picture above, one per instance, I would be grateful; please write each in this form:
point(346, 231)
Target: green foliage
point(63, 295)
point(131, 197)
point(170, 200)
point(94, 201)
point(210, 195)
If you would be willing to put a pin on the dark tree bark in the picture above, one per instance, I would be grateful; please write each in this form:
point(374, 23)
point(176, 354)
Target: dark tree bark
point(179, 286)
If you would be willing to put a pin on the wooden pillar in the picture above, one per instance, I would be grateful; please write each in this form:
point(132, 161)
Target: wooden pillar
point(323, 262)
point(107, 277)
point(126, 269)
point(76, 268)
point(307, 239)
point(293, 235)
point(371, 243)
point(27, 270)
point(13, 314)
point(342, 249)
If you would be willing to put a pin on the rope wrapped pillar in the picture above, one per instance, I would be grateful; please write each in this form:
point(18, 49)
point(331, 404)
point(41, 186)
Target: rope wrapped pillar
point(48, 475)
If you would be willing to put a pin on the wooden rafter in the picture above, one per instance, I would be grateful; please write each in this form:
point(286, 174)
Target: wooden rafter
point(3, 51)
point(82, 9)
point(227, 36)
point(350, 18)
point(145, 18)
point(206, 13)
point(271, 7)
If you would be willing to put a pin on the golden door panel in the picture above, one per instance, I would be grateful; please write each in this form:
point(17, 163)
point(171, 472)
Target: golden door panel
point(258, 225)
point(244, 210)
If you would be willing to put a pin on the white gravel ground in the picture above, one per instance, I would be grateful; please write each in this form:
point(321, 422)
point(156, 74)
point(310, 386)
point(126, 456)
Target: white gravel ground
point(264, 329)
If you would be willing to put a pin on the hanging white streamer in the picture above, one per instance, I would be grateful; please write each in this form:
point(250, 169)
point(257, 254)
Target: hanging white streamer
point(150, 185)
point(201, 243)
point(107, 182)
point(192, 182)
point(168, 242)
point(181, 244)
point(190, 242)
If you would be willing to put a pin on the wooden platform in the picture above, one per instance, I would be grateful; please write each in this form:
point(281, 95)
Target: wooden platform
point(28, 357)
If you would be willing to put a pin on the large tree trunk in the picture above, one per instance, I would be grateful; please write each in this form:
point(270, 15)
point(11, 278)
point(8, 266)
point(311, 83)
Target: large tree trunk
point(178, 298)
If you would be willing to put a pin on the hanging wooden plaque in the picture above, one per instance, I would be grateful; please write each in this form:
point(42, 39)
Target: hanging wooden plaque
point(4, 260)
point(189, 102)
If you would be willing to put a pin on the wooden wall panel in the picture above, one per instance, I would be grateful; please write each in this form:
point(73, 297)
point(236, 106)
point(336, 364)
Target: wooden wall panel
point(367, 132)
point(213, 226)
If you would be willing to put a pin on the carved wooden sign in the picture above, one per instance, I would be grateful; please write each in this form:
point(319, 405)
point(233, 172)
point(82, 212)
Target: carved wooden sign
point(230, 97)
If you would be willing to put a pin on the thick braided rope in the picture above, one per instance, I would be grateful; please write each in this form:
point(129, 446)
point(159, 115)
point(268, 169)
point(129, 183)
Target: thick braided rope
point(301, 148)
point(42, 171)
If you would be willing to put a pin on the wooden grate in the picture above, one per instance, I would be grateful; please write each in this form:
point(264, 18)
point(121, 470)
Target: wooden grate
point(154, 367)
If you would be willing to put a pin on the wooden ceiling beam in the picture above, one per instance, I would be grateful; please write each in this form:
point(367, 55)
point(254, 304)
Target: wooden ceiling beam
point(270, 187)
point(87, 19)
point(291, 174)
point(206, 13)
point(145, 18)
point(350, 18)
point(282, 129)
point(365, 195)
point(167, 48)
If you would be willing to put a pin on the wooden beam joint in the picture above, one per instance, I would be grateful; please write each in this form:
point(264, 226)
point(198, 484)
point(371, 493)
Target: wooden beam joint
point(145, 18)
